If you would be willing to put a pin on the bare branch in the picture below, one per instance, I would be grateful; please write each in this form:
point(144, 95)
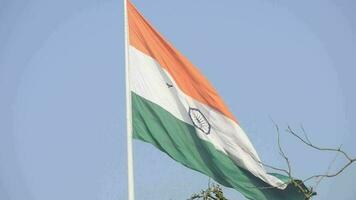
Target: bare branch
point(338, 150)
point(327, 171)
point(274, 168)
point(308, 143)
point(307, 192)
point(305, 133)
point(331, 175)
point(281, 152)
point(268, 165)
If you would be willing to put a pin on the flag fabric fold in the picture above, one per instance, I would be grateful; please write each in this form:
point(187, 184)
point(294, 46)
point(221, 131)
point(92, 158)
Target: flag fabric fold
point(175, 108)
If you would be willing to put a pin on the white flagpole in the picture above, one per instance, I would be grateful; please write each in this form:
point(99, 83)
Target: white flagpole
point(130, 175)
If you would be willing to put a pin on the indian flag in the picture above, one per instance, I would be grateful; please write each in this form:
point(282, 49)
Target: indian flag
point(175, 108)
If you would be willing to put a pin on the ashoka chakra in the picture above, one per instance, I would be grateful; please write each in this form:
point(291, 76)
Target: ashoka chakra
point(199, 120)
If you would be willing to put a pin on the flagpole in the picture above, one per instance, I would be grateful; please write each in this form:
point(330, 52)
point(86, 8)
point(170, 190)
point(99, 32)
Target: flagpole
point(130, 175)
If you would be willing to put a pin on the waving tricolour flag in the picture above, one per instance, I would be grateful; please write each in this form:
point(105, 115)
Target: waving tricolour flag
point(175, 108)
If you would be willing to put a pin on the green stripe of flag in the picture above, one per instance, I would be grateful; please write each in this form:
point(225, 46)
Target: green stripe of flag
point(153, 124)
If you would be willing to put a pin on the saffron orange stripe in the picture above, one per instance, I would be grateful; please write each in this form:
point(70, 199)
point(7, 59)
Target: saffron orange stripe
point(146, 39)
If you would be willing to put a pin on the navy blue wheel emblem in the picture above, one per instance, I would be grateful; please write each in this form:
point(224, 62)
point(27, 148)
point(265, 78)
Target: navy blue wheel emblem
point(199, 120)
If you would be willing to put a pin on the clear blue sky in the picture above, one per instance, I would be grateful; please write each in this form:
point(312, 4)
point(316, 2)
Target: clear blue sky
point(62, 109)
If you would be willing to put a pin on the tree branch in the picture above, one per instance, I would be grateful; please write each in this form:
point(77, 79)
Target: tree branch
point(281, 152)
point(338, 150)
point(308, 143)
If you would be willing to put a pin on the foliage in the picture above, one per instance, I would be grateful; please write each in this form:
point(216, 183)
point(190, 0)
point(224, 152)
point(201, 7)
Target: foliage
point(213, 192)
